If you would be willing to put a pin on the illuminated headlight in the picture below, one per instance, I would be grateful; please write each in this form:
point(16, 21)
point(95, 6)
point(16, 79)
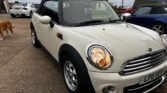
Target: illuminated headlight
point(99, 57)
point(164, 39)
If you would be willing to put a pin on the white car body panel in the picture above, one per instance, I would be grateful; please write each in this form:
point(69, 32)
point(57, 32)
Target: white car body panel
point(125, 41)
point(101, 80)
point(109, 38)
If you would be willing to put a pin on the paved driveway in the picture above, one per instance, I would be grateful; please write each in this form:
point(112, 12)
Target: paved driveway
point(25, 69)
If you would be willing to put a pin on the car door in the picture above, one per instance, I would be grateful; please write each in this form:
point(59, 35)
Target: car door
point(142, 16)
point(47, 33)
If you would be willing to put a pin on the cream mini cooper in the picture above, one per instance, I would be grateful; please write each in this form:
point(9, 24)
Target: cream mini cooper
point(99, 53)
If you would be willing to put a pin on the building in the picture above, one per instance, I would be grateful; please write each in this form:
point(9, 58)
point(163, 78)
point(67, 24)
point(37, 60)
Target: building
point(140, 2)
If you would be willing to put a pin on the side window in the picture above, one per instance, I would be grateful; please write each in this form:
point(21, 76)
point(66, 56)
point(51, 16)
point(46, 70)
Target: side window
point(52, 5)
point(50, 8)
point(143, 10)
point(159, 10)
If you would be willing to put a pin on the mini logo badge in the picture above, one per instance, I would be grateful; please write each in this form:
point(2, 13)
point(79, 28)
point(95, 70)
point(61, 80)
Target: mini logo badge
point(149, 49)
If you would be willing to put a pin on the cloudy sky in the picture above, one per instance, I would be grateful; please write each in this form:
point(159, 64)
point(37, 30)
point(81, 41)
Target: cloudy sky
point(126, 2)
point(116, 2)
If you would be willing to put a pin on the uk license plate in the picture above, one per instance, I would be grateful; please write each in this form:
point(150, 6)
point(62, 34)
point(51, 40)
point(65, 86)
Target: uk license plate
point(152, 76)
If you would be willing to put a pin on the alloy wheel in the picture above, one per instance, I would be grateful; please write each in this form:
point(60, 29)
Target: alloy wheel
point(33, 37)
point(70, 76)
point(159, 28)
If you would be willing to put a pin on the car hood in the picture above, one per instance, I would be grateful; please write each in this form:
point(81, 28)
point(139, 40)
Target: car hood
point(124, 41)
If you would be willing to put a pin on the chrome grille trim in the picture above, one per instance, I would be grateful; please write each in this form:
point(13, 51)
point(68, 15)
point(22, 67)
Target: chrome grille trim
point(144, 62)
point(145, 88)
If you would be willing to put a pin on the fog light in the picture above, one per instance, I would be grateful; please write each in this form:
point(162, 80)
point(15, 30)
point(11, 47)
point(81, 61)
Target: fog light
point(109, 89)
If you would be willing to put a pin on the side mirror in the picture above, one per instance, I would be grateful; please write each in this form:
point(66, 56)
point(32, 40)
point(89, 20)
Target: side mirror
point(45, 20)
point(125, 16)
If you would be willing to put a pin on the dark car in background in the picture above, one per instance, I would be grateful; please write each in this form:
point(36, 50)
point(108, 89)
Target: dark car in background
point(150, 16)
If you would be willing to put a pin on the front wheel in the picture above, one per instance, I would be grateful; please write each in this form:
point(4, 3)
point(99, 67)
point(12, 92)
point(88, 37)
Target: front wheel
point(76, 76)
point(70, 76)
point(34, 38)
point(12, 15)
point(159, 28)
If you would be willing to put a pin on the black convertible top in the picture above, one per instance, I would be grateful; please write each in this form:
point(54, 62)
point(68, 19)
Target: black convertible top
point(154, 5)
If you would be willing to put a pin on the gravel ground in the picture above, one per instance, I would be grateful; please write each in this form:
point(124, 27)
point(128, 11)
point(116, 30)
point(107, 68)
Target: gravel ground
point(25, 69)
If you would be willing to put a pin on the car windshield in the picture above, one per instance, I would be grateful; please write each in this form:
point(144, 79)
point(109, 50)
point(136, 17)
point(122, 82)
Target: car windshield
point(87, 12)
point(143, 10)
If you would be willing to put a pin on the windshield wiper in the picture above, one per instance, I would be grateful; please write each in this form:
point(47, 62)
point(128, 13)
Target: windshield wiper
point(115, 20)
point(89, 22)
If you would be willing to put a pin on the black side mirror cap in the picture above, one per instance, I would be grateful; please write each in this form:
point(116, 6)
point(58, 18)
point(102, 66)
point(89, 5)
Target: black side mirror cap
point(52, 24)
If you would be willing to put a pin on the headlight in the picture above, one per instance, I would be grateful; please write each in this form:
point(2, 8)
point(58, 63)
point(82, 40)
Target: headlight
point(164, 40)
point(99, 57)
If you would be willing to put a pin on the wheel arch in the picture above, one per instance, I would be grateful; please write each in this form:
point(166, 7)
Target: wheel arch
point(159, 22)
point(156, 22)
point(67, 49)
point(31, 25)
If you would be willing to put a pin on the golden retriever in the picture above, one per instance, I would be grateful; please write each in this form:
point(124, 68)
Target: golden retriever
point(5, 26)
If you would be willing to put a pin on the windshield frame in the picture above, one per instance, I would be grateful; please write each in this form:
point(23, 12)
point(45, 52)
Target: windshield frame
point(69, 24)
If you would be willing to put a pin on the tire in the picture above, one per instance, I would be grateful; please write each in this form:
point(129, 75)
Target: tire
point(75, 72)
point(12, 15)
point(23, 16)
point(34, 38)
point(159, 28)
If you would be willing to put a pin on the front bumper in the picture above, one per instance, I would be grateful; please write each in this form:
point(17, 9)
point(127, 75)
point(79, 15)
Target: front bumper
point(121, 83)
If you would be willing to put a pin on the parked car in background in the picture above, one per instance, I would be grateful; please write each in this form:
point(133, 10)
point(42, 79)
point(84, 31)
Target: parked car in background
point(151, 16)
point(22, 10)
point(97, 52)
point(128, 9)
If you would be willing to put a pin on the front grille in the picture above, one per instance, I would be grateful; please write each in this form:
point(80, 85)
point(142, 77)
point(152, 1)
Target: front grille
point(144, 62)
point(144, 87)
